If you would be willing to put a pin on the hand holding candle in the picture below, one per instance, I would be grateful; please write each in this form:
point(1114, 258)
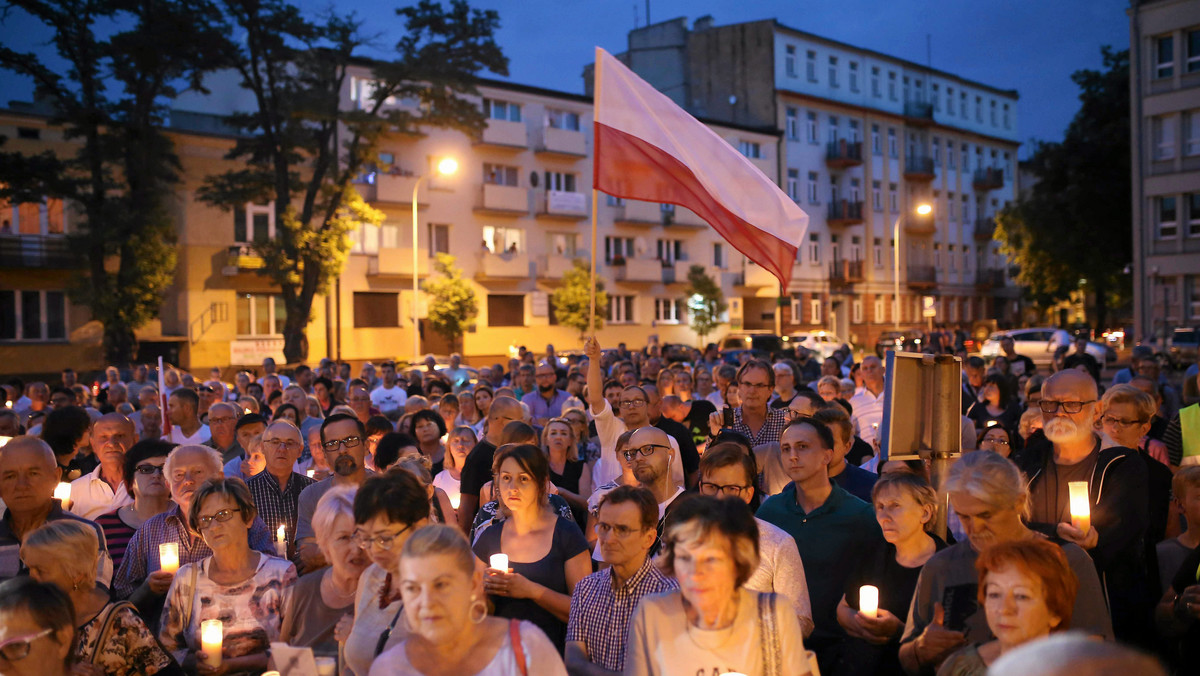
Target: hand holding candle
point(1081, 506)
point(168, 557)
point(868, 600)
point(281, 545)
point(499, 562)
point(211, 637)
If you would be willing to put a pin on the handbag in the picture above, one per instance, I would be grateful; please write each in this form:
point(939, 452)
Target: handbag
point(106, 626)
point(772, 652)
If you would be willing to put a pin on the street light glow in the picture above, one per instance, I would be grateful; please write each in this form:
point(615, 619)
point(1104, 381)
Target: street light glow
point(924, 209)
point(447, 166)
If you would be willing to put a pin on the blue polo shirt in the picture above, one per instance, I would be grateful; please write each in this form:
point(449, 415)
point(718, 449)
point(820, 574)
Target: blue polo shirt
point(832, 539)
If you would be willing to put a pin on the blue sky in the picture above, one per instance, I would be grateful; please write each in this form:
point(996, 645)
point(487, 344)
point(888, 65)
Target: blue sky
point(1029, 45)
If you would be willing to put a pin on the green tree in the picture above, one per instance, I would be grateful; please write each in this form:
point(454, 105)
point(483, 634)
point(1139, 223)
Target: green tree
point(302, 151)
point(705, 301)
point(572, 300)
point(1074, 226)
point(452, 302)
point(110, 96)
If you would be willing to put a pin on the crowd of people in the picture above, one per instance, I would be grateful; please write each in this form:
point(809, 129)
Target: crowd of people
point(611, 512)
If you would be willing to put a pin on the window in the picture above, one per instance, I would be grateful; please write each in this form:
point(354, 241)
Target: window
point(615, 247)
point(789, 60)
point(950, 154)
point(937, 152)
point(833, 71)
point(950, 101)
point(501, 240)
point(854, 76)
point(906, 90)
point(877, 252)
point(1007, 125)
point(33, 315)
point(950, 205)
point(718, 255)
point(500, 174)
point(750, 149)
point(365, 239)
point(562, 119)
point(855, 248)
point(797, 300)
point(835, 253)
point(506, 309)
point(979, 109)
point(1191, 133)
point(1193, 206)
point(833, 129)
point(855, 195)
point(793, 124)
point(260, 314)
point(966, 161)
point(875, 145)
point(29, 133)
point(962, 104)
point(936, 96)
point(563, 243)
point(812, 188)
point(671, 250)
point(1164, 61)
point(814, 248)
point(254, 222)
point(793, 184)
point(560, 181)
point(856, 311)
point(1168, 225)
point(879, 310)
point(501, 110)
point(893, 198)
point(620, 310)
point(875, 82)
point(811, 65)
point(854, 131)
point(893, 148)
point(1164, 138)
point(614, 201)
point(669, 311)
point(892, 85)
point(814, 309)
point(376, 310)
point(876, 196)
point(993, 115)
point(833, 191)
point(32, 218)
point(951, 258)
point(439, 239)
point(1192, 64)
point(810, 127)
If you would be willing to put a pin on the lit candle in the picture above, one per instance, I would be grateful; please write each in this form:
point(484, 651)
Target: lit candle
point(868, 600)
point(499, 562)
point(168, 557)
point(311, 473)
point(1081, 505)
point(455, 500)
point(211, 636)
point(281, 541)
point(4, 440)
point(63, 492)
point(326, 666)
point(246, 411)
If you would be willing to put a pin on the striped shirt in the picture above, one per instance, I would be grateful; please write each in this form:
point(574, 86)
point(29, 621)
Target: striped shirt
point(118, 533)
point(600, 611)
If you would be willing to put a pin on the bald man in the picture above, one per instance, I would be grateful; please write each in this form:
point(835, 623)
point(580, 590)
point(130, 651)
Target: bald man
point(28, 475)
point(652, 456)
point(103, 490)
point(477, 468)
point(1117, 486)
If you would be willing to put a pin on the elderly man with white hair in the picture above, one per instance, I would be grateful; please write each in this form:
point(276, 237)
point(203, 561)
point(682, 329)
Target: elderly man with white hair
point(141, 578)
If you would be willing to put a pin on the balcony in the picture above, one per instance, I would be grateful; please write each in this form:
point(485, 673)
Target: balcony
point(918, 168)
point(987, 278)
point(572, 206)
point(683, 267)
point(646, 270)
point(241, 258)
point(397, 262)
point(555, 266)
point(685, 218)
point(504, 134)
point(921, 277)
point(843, 272)
point(390, 189)
point(919, 224)
point(503, 200)
point(841, 154)
point(757, 276)
point(919, 113)
point(641, 214)
point(51, 252)
point(561, 142)
point(844, 212)
point(988, 179)
point(985, 229)
point(502, 266)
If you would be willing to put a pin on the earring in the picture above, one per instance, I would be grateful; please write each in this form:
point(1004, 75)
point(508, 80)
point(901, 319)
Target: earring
point(476, 604)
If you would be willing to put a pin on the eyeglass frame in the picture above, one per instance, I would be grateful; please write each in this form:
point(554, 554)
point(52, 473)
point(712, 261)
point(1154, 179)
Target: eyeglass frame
point(335, 444)
point(1123, 424)
point(148, 469)
point(722, 489)
point(615, 530)
point(203, 522)
point(280, 441)
point(633, 403)
point(365, 543)
point(1064, 405)
point(26, 640)
point(631, 454)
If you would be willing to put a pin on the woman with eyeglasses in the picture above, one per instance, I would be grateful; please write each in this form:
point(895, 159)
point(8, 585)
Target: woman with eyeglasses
point(997, 439)
point(388, 509)
point(37, 629)
point(245, 589)
point(1125, 417)
point(547, 554)
point(568, 472)
point(144, 476)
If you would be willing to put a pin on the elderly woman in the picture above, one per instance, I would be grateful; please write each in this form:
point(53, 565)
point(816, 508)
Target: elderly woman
point(991, 499)
point(1125, 416)
point(997, 440)
point(245, 589)
point(144, 475)
point(458, 446)
point(323, 597)
point(109, 637)
point(905, 507)
point(37, 626)
point(712, 623)
point(1027, 591)
point(428, 428)
point(547, 554)
point(450, 631)
point(388, 509)
point(468, 411)
point(568, 472)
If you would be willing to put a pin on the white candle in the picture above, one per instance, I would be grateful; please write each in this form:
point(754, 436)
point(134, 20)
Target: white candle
point(868, 600)
point(168, 557)
point(311, 473)
point(211, 636)
point(1081, 505)
point(455, 500)
point(499, 562)
point(281, 541)
point(246, 411)
point(63, 492)
point(4, 440)
point(326, 666)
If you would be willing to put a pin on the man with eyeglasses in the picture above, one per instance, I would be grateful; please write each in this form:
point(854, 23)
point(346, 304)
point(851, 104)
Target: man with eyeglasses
point(603, 602)
point(760, 423)
point(1117, 488)
point(276, 490)
point(103, 489)
point(222, 424)
point(651, 455)
point(343, 439)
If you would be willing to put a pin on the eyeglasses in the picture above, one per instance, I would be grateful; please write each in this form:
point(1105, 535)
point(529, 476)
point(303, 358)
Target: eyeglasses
point(220, 421)
point(996, 442)
point(1048, 406)
point(620, 531)
point(645, 451)
point(15, 649)
point(728, 490)
point(149, 469)
point(385, 542)
point(754, 386)
point(288, 444)
point(633, 403)
point(1119, 422)
point(220, 517)
point(348, 442)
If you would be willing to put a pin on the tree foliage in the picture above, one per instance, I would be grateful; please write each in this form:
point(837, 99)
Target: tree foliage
point(302, 151)
point(705, 301)
point(572, 300)
point(452, 301)
point(1074, 227)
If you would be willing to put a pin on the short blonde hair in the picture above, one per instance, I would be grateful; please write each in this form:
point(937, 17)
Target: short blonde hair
point(1128, 394)
point(75, 545)
point(1186, 478)
point(337, 501)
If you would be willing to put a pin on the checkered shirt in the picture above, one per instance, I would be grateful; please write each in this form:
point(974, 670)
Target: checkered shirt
point(277, 506)
point(769, 432)
point(600, 612)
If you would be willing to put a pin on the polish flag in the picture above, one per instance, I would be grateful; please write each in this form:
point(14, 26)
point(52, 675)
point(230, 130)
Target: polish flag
point(648, 148)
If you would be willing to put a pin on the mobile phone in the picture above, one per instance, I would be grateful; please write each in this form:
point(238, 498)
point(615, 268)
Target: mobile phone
point(727, 414)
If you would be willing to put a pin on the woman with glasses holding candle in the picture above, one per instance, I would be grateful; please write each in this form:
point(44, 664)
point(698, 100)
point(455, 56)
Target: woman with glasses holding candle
point(568, 472)
point(388, 509)
point(144, 476)
point(547, 554)
point(37, 628)
point(244, 589)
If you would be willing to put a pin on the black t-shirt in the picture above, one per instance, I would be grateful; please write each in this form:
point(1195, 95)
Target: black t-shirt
point(697, 420)
point(860, 452)
point(477, 468)
point(687, 448)
point(1188, 575)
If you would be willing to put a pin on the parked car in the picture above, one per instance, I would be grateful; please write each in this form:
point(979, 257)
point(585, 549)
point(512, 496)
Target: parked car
point(768, 343)
point(1182, 348)
point(893, 340)
point(820, 343)
point(1040, 344)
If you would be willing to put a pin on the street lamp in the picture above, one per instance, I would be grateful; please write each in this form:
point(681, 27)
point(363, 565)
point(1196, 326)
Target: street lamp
point(923, 209)
point(445, 167)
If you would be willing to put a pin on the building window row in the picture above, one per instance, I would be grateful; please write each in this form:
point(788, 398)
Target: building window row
point(1164, 144)
point(1165, 59)
point(31, 315)
point(1169, 215)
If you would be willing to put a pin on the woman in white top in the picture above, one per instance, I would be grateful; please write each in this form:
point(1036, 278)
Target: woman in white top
point(450, 631)
point(462, 439)
point(713, 624)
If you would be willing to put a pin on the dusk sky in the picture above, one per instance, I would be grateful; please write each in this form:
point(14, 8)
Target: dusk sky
point(1029, 45)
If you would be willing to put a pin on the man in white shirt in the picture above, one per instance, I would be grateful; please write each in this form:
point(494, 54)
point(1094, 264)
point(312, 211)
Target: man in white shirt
point(103, 490)
point(389, 396)
point(868, 403)
point(186, 429)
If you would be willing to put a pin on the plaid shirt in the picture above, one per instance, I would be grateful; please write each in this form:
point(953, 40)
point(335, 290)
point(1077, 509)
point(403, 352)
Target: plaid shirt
point(600, 611)
point(278, 507)
point(769, 432)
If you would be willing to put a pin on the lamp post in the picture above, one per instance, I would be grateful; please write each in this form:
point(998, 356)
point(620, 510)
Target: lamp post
point(445, 167)
point(923, 209)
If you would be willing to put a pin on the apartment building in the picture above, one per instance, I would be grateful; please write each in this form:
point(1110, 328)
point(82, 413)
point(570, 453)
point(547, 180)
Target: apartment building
point(1165, 136)
point(867, 137)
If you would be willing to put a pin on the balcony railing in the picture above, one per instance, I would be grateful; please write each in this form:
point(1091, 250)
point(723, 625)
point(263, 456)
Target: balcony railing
point(643, 214)
point(390, 188)
point(988, 179)
point(507, 265)
point(918, 168)
point(985, 229)
point(638, 270)
point(563, 204)
point(922, 276)
point(396, 262)
point(240, 258)
point(842, 153)
point(842, 272)
point(919, 224)
point(565, 142)
point(844, 212)
point(38, 251)
point(919, 112)
point(505, 134)
point(503, 200)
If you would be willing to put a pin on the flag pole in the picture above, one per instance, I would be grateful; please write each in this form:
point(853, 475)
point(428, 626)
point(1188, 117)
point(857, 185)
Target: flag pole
point(595, 193)
point(592, 285)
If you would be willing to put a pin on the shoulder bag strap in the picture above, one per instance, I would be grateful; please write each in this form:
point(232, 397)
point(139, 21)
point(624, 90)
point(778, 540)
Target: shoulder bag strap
point(106, 626)
point(514, 636)
point(191, 597)
point(771, 650)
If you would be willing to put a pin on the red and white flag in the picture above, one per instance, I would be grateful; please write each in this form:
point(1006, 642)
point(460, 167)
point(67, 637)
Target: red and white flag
point(648, 148)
